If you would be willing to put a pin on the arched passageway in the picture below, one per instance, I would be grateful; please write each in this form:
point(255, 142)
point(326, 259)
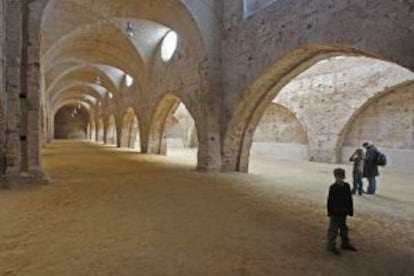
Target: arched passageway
point(92, 130)
point(111, 133)
point(71, 122)
point(100, 130)
point(130, 134)
point(173, 127)
point(108, 56)
point(181, 130)
point(280, 135)
point(323, 96)
point(387, 121)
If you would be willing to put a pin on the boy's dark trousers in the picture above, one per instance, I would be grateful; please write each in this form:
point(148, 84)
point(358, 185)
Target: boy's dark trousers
point(337, 223)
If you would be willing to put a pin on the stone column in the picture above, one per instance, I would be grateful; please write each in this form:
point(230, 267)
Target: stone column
point(3, 96)
point(13, 62)
point(209, 153)
point(23, 94)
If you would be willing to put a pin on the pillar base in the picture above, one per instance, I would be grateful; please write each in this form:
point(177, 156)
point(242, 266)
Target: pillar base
point(24, 179)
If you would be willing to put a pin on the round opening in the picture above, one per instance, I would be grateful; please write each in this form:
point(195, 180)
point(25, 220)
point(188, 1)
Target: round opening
point(129, 80)
point(169, 45)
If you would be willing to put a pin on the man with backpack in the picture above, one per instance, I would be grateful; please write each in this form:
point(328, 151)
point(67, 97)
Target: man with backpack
point(370, 166)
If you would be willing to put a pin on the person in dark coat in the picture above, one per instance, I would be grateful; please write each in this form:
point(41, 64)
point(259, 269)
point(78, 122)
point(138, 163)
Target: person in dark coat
point(358, 168)
point(339, 205)
point(370, 166)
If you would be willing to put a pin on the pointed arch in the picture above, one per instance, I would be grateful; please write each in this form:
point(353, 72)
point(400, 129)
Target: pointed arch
point(239, 133)
point(280, 134)
point(100, 130)
point(157, 143)
point(111, 133)
point(130, 130)
point(343, 148)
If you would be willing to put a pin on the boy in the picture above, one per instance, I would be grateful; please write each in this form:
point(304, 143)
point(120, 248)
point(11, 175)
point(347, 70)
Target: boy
point(339, 206)
point(358, 159)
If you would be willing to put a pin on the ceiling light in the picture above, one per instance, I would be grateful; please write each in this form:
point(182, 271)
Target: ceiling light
point(98, 80)
point(129, 30)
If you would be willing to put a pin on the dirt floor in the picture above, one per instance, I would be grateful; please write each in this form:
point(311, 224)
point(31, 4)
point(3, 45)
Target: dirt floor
point(112, 211)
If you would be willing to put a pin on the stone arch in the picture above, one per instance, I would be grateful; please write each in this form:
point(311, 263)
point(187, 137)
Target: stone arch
point(343, 149)
point(192, 32)
point(100, 130)
point(157, 142)
point(239, 133)
point(92, 130)
point(88, 130)
point(135, 135)
point(111, 131)
point(181, 130)
point(280, 134)
point(130, 130)
point(192, 139)
point(82, 76)
point(71, 122)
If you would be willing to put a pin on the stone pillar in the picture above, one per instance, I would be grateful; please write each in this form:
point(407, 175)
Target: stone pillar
point(50, 128)
point(209, 151)
point(105, 129)
point(97, 131)
point(118, 129)
point(23, 94)
point(3, 95)
point(13, 62)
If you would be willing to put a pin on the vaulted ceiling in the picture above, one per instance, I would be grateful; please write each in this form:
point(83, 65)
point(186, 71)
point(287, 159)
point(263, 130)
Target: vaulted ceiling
point(86, 52)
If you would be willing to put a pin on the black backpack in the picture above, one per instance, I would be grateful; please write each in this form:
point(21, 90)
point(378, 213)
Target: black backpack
point(381, 159)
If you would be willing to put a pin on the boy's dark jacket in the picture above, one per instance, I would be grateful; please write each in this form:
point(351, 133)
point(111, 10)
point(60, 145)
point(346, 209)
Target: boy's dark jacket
point(340, 200)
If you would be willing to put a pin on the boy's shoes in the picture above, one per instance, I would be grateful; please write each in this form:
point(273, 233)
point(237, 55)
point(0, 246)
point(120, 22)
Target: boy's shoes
point(334, 251)
point(349, 247)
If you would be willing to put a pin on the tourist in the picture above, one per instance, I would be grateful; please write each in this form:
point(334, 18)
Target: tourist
point(358, 159)
point(370, 166)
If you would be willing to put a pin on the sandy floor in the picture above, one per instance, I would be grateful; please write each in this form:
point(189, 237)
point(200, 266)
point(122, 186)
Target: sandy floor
point(115, 212)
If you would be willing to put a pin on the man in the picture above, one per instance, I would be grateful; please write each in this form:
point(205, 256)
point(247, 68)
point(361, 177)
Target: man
point(370, 166)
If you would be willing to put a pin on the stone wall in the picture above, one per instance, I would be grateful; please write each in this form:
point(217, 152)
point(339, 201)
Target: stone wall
point(325, 100)
point(280, 135)
point(388, 122)
point(326, 96)
point(279, 125)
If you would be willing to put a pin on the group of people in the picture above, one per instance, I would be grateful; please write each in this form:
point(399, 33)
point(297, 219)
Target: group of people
point(340, 203)
point(365, 166)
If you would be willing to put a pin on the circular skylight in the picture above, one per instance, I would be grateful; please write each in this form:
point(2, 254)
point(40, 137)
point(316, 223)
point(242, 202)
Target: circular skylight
point(129, 80)
point(169, 45)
